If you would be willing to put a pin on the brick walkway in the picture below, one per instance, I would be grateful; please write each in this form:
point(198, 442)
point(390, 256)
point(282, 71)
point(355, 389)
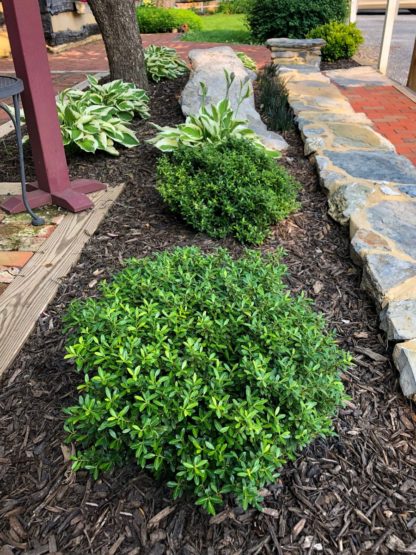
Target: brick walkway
point(393, 114)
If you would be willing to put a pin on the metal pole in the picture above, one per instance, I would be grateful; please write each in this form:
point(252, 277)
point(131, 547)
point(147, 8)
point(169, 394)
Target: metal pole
point(391, 12)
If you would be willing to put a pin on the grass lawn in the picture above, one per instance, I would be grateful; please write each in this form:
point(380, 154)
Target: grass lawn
point(221, 28)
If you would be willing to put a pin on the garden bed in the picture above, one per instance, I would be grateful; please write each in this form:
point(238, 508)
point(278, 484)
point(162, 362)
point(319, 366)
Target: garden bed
point(351, 494)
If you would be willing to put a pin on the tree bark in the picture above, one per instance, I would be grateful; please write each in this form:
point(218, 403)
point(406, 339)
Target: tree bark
point(123, 44)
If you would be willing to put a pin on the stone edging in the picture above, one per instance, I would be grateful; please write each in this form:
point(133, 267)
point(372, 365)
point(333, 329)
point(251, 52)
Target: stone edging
point(370, 188)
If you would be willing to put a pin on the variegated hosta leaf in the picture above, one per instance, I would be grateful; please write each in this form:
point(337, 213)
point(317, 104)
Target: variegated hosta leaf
point(163, 63)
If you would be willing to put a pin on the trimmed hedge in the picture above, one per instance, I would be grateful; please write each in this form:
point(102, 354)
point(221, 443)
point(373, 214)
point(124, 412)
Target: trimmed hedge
point(164, 20)
point(342, 40)
point(292, 18)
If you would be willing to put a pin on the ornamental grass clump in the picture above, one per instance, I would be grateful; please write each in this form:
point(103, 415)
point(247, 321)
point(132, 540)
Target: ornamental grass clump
point(231, 188)
point(203, 369)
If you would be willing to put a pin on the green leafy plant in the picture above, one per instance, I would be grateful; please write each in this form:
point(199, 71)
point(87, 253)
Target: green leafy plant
point(163, 20)
point(163, 63)
point(92, 127)
point(213, 124)
point(248, 62)
point(274, 101)
point(127, 99)
point(204, 369)
point(292, 18)
point(342, 40)
point(229, 188)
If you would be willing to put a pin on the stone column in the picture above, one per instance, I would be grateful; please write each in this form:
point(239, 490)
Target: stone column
point(296, 51)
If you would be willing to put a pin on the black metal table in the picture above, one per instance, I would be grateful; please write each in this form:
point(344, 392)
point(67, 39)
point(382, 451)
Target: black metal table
point(12, 87)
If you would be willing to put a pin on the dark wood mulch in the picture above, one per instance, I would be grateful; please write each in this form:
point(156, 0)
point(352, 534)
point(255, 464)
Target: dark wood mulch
point(352, 494)
point(345, 63)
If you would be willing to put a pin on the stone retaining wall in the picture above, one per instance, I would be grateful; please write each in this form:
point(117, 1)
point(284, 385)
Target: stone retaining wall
point(370, 188)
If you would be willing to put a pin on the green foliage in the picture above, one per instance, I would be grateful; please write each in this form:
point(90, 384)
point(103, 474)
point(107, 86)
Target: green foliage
point(230, 188)
point(164, 20)
point(248, 62)
point(234, 6)
point(163, 63)
point(126, 99)
point(274, 101)
point(292, 18)
point(342, 40)
point(203, 368)
point(213, 124)
point(91, 127)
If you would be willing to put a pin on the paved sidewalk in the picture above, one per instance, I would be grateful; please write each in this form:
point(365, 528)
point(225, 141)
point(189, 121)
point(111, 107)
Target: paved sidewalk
point(392, 112)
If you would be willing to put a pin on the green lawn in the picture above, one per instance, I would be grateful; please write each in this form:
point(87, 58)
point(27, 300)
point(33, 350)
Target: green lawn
point(221, 28)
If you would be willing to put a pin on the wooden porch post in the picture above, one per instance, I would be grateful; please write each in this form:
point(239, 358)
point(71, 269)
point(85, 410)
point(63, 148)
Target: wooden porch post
point(391, 12)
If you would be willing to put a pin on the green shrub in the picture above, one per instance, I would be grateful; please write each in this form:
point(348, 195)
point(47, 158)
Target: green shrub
point(164, 20)
point(203, 368)
point(230, 188)
point(163, 63)
point(234, 6)
point(248, 62)
point(292, 18)
point(274, 101)
point(342, 40)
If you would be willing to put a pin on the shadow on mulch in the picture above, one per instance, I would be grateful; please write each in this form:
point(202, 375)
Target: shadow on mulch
point(353, 494)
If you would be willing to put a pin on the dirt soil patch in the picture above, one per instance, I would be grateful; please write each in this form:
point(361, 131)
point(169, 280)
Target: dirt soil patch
point(352, 494)
point(345, 63)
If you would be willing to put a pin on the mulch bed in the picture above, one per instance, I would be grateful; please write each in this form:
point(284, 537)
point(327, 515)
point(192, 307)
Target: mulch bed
point(352, 494)
point(345, 63)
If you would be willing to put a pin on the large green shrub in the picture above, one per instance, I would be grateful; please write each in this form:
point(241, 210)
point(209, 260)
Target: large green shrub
point(342, 40)
point(231, 188)
point(164, 20)
point(292, 18)
point(203, 368)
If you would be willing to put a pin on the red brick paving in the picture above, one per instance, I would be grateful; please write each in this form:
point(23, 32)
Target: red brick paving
point(393, 114)
point(16, 259)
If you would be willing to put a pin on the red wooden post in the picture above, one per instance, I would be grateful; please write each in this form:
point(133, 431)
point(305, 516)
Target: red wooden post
point(24, 25)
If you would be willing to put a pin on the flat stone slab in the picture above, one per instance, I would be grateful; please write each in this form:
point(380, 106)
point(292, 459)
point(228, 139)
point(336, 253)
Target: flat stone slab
point(396, 221)
point(404, 356)
point(358, 136)
point(295, 44)
point(358, 77)
point(398, 320)
point(384, 272)
point(374, 165)
point(208, 66)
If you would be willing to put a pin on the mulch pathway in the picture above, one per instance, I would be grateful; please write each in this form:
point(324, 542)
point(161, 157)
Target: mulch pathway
point(352, 494)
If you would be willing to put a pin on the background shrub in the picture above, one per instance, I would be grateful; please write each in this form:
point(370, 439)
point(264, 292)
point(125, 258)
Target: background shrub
point(234, 6)
point(203, 368)
point(292, 18)
point(231, 188)
point(342, 40)
point(164, 20)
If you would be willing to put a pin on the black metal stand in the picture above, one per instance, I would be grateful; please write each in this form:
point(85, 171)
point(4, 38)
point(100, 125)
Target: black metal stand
point(11, 86)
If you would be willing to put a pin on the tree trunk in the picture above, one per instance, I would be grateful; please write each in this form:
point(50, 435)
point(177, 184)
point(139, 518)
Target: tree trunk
point(123, 44)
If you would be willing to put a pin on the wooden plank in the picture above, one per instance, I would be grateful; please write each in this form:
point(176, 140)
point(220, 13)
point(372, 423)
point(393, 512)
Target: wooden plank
point(32, 290)
point(391, 12)
point(411, 81)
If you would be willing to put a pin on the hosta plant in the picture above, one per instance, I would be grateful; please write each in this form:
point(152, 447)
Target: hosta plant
point(163, 63)
point(92, 127)
point(205, 370)
point(213, 124)
point(126, 99)
point(248, 62)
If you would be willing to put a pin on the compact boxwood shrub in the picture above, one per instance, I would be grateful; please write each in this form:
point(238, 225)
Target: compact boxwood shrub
point(342, 40)
point(203, 368)
point(231, 188)
point(164, 20)
point(292, 18)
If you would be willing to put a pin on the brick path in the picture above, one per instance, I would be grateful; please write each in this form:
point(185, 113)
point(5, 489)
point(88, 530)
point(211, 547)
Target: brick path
point(393, 114)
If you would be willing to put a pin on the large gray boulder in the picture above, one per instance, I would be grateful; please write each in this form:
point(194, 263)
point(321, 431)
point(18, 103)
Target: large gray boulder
point(207, 66)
